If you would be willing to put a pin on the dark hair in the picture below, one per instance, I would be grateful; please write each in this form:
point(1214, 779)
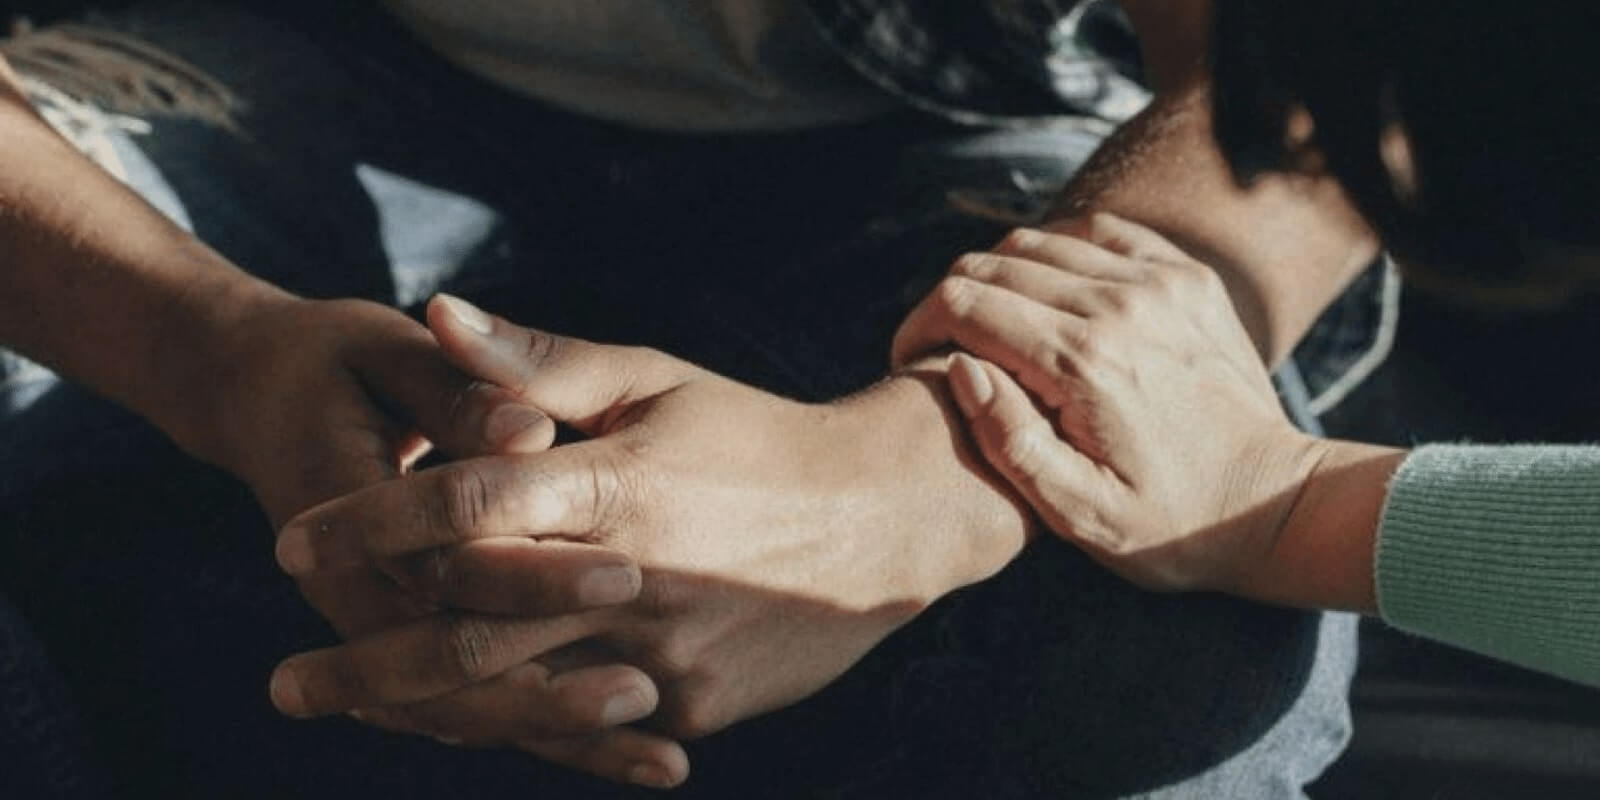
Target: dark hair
point(1498, 102)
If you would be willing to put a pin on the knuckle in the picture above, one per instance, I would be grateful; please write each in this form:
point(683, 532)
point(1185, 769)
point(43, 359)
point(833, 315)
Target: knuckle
point(696, 713)
point(539, 351)
point(1019, 447)
point(1100, 227)
point(1078, 346)
point(1021, 240)
point(1114, 299)
point(676, 659)
point(977, 266)
point(466, 647)
point(605, 491)
point(955, 296)
point(463, 502)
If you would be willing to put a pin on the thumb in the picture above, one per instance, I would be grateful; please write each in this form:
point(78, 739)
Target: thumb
point(575, 381)
point(1062, 485)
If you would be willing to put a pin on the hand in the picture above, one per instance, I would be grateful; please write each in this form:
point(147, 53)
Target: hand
point(311, 400)
point(779, 541)
point(1157, 443)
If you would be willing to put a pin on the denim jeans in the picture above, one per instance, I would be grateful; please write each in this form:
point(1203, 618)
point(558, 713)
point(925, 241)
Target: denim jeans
point(364, 167)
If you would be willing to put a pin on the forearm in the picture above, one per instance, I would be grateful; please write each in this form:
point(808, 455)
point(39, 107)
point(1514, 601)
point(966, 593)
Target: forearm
point(1285, 247)
point(1323, 554)
point(97, 284)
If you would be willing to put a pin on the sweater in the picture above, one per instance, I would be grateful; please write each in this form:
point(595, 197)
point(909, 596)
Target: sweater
point(1497, 550)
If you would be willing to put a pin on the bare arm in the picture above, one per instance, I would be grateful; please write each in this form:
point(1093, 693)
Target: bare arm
point(97, 284)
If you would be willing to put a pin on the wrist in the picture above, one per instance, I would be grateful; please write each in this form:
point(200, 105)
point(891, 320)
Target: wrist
point(197, 354)
point(951, 521)
point(1320, 555)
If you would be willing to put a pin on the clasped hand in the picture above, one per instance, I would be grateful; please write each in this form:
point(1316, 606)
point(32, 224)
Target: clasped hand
point(743, 510)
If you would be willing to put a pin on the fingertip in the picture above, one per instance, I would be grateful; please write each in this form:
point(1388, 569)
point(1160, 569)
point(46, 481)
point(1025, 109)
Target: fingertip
point(287, 692)
point(972, 387)
point(294, 552)
point(667, 768)
point(658, 776)
point(676, 761)
point(449, 310)
point(635, 699)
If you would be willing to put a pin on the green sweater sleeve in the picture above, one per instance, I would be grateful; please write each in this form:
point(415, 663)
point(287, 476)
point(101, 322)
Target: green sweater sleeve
point(1497, 550)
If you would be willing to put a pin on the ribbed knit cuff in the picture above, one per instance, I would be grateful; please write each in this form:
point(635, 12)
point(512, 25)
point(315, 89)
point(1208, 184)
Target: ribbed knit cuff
point(1497, 550)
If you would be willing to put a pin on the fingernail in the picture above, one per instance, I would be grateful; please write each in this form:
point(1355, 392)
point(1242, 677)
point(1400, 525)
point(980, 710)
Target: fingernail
point(506, 422)
point(624, 707)
point(294, 551)
point(652, 775)
point(970, 384)
point(468, 314)
point(608, 586)
point(286, 693)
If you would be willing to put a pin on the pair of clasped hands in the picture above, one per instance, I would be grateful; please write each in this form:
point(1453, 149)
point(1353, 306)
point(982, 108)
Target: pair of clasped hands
point(708, 552)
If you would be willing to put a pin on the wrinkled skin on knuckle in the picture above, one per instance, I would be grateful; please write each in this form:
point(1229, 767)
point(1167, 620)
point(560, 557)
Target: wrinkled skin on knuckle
point(1080, 350)
point(1019, 447)
point(542, 349)
point(466, 647)
point(1113, 300)
point(953, 298)
point(460, 502)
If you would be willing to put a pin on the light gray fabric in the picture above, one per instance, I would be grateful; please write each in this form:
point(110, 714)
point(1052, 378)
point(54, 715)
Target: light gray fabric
point(707, 65)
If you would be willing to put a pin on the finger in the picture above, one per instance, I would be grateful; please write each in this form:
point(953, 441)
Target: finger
point(420, 660)
point(1079, 256)
point(410, 376)
point(362, 602)
point(529, 702)
point(1039, 282)
point(1121, 235)
point(519, 576)
point(569, 491)
point(1042, 345)
point(1060, 483)
point(576, 381)
point(624, 755)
